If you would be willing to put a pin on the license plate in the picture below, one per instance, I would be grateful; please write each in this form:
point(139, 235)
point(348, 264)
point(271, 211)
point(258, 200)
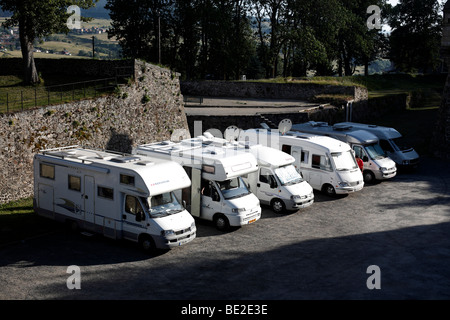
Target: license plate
point(251, 221)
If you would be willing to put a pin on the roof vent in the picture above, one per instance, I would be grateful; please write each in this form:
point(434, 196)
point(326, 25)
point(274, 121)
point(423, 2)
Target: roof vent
point(126, 159)
point(341, 127)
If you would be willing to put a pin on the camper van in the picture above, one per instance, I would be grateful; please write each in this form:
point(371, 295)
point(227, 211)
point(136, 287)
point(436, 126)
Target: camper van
point(327, 164)
point(218, 193)
point(276, 182)
point(377, 165)
point(391, 143)
point(119, 196)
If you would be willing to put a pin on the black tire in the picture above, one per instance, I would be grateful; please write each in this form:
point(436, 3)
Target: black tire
point(329, 190)
point(221, 222)
point(368, 176)
point(147, 244)
point(72, 226)
point(278, 206)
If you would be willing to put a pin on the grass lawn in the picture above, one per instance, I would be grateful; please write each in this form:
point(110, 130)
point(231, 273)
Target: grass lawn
point(18, 222)
point(13, 92)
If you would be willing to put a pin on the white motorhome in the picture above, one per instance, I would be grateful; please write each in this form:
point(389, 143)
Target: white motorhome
point(276, 182)
point(377, 165)
point(119, 196)
point(218, 192)
point(327, 164)
point(391, 143)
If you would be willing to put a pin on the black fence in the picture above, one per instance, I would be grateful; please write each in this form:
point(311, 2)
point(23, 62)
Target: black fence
point(27, 98)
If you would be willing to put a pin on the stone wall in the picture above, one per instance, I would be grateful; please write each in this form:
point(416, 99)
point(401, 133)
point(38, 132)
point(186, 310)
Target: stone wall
point(441, 135)
point(149, 109)
point(267, 90)
point(374, 108)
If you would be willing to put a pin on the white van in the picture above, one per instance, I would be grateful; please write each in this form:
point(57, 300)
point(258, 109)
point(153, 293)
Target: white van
point(276, 182)
point(218, 192)
point(377, 165)
point(391, 143)
point(119, 196)
point(327, 164)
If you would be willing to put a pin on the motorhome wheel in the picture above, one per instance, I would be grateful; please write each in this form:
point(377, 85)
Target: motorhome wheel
point(72, 225)
point(221, 222)
point(278, 206)
point(329, 190)
point(369, 177)
point(146, 243)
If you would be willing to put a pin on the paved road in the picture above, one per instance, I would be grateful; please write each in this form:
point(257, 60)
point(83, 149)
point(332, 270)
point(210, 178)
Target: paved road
point(322, 252)
point(228, 106)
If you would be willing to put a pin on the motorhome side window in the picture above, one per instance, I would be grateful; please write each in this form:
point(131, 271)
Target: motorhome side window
point(133, 206)
point(321, 162)
point(359, 152)
point(106, 193)
point(74, 183)
point(126, 179)
point(286, 148)
point(47, 171)
point(305, 156)
point(266, 176)
point(386, 146)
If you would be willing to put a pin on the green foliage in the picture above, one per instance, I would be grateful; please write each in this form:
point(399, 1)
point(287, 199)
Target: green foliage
point(37, 19)
point(416, 35)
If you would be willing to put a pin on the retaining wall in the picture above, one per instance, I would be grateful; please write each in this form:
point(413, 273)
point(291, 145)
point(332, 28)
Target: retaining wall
point(147, 110)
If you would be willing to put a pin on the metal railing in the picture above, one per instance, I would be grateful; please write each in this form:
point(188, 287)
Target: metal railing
point(57, 94)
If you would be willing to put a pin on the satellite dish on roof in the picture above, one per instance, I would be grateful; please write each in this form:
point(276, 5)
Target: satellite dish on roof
point(231, 133)
point(285, 126)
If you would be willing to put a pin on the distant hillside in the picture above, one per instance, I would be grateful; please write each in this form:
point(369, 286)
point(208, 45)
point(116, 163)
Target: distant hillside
point(98, 12)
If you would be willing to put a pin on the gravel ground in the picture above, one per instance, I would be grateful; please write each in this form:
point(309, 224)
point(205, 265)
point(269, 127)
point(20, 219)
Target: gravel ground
point(319, 253)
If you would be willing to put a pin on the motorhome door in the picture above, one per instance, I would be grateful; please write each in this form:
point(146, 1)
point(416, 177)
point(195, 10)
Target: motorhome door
point(46, 200)
point(196, 182)
point(89, 195)
point(296, 152)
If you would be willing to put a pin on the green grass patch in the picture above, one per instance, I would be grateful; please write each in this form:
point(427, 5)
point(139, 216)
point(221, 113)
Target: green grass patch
point(18, 222)
point(15, 96)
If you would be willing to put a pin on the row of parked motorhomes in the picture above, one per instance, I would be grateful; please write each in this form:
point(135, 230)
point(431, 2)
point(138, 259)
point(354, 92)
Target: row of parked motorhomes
point(152, 195)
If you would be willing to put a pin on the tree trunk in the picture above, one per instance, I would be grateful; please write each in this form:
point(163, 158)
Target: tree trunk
point(29, 67)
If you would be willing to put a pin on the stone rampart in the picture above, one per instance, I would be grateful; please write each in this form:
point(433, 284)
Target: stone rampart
point(147, 110)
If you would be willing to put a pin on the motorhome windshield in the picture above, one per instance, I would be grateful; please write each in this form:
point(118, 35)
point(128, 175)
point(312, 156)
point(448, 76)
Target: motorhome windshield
point(288, 175)
point(233, 188)
point(400, 144)
point(344, 161)
point(163, 205)
point(375, 151)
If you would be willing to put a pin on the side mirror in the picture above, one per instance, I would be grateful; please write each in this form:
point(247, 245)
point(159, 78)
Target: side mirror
point(215, 196)
point(365, 159)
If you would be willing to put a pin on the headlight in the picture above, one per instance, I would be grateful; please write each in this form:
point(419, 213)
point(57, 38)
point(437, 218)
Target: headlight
point(383, 169)
point(166, 233)
point(296, 197)
point(343, 184)
point(405, 162)
point(237, 210)
point(193, 225)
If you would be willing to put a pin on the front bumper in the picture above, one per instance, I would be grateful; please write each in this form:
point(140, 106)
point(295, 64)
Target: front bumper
point(299, 204)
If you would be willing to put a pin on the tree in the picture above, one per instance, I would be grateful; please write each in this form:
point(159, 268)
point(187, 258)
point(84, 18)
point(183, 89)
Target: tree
point(416, 34)
point(143, 27)
point(36, 20)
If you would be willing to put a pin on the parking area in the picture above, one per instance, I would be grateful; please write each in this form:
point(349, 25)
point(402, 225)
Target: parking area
point(322, 252)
